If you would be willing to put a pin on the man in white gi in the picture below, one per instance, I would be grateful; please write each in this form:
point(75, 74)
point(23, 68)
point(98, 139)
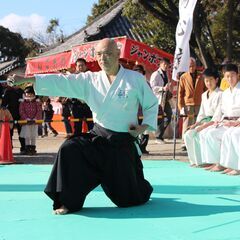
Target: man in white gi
point(208, 114)
point(108, 155)
point(230, 154)
point(211, 138)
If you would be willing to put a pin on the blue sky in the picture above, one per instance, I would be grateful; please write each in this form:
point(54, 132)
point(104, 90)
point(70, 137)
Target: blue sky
point(27, 16)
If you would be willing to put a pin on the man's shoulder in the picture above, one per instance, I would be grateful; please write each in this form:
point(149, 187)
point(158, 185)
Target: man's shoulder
point(155, 73)
point(133, 74)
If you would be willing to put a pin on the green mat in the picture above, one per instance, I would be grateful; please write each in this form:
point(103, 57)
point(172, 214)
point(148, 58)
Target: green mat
point(186, 204)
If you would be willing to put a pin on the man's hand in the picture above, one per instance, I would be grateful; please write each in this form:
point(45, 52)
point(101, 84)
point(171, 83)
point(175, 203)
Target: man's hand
point(166, 88)
point(14, 79)
point(136, 130)
point(183, 111)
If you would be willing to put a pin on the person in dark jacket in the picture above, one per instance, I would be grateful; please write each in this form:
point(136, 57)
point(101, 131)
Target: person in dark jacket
point(47, 117)
point(66, 113)
point(79, 108)
point(11, 100)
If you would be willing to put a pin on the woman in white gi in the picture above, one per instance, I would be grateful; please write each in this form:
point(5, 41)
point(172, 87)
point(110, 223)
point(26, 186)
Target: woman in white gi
point(230, 154)
point(211, 140)
point(208, 114)
point(108, 154)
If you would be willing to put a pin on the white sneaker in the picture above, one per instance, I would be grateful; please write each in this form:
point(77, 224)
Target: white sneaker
point(160, 141)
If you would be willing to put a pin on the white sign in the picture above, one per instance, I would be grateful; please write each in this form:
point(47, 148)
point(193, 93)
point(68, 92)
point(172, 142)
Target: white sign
point(183, 33)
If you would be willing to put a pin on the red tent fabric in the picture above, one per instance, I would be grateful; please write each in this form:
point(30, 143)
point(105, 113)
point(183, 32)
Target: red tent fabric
point(132, 52)
point(48, 64)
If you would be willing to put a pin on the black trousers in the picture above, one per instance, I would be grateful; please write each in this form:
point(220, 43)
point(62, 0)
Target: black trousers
point(21, 140)
point(162, 124)
point(100, 157)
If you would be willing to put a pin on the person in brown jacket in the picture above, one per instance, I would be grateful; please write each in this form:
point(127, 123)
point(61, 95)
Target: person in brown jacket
point(191, 87)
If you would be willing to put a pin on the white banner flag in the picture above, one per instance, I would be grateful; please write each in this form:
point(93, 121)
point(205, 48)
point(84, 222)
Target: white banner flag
point(183, 33)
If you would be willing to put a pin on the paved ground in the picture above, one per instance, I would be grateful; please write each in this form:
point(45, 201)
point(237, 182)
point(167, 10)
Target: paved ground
point(47, 148)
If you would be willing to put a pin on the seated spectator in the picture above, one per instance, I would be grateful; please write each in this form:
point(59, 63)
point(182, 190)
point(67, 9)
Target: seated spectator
point(211, 137)
point(230, 154)
point(208, 114)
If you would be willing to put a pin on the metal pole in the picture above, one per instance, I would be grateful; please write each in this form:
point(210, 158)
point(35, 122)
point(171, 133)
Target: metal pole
point(175, 118)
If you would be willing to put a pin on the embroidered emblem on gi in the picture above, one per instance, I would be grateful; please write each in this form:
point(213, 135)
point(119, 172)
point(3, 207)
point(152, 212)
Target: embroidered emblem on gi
point(122, 93)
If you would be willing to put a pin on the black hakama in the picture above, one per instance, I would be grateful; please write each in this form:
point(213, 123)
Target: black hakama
point(100, 157)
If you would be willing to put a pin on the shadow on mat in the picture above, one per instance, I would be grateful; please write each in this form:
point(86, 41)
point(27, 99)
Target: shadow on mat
point(158, 208)
point(22, 187)
point(175, 189)
point(39, 158)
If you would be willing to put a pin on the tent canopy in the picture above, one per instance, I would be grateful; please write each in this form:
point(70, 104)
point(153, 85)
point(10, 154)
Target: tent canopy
point(132, 52)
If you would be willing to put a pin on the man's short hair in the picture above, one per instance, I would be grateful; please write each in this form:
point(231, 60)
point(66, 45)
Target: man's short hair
point(210, 72)
point(166, 60)
point(29, 89)
point(81, 60)
point(230, 68)
point(139, 68)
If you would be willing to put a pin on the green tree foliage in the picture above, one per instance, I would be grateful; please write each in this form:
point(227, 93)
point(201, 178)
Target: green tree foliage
point(224, 19)
point(157, 33)
point(215, 33)
point(13, 45)
point(100, 8)
point(54, 31)
point(32, 47)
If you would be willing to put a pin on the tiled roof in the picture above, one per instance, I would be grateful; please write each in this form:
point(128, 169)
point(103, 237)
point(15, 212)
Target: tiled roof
point(110, 24)
point(6, 67)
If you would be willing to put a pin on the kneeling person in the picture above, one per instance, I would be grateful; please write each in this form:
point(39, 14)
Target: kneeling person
point(108, 155)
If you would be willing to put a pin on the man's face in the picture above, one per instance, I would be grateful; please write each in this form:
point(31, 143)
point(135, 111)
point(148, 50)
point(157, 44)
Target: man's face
point(164, 66)
point(107, 56)
point(232, 78)
point(192, 66)
point(81, 66)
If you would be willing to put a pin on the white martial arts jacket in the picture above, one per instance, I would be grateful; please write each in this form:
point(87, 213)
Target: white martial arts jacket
point(114, 106)
point(230, 106)
point(211, 106)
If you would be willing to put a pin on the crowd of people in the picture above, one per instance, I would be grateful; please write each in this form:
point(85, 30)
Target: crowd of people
point(197, 95)
point(213, 141)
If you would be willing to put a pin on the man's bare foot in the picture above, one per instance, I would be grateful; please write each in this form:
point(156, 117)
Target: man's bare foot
point(193, 165)
point(205, 165)
point(234, 173)
point(217, 168)
point(227, 170)
point(210, 167)
point(61, 211)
